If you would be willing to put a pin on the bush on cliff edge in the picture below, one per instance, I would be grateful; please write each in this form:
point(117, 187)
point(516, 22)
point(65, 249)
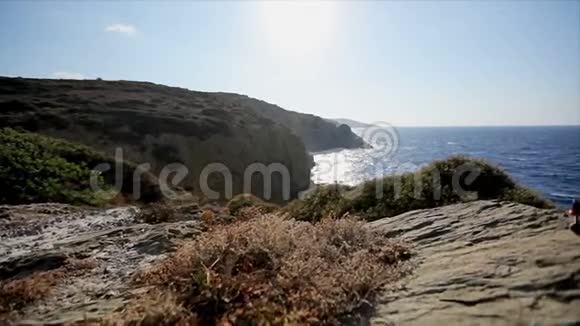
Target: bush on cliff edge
point(35, 168)
point(430, 186)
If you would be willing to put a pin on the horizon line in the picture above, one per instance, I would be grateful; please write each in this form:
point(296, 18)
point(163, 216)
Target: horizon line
point(483, 126)
point(458, 126)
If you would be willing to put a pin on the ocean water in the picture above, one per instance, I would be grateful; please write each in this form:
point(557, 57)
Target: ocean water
point(546, 159)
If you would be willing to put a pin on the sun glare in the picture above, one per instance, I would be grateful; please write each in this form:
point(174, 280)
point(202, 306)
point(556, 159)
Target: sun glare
point(299, 29)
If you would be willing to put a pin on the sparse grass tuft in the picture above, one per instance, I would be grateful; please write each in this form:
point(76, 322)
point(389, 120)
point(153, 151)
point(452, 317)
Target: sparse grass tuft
point(208, 217)
point(241, 201)
point(429, 187)
point(273, 270)
point(156, 308)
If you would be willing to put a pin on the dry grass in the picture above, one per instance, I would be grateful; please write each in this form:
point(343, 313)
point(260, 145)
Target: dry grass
point(208, 217)
point(17, 293)
point(241, 201)
point(273, 270)
point(248, 213)
point(157, 308)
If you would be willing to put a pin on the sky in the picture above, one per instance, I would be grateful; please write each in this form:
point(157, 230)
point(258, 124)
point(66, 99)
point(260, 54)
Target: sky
point(424, 63)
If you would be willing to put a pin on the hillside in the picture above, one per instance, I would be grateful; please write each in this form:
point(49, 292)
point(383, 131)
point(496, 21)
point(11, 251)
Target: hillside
point(317, 133)
point(160, 125)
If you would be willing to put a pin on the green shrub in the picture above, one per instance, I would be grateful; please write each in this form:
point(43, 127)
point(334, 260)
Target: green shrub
point(430, 186)
point(35, 168)
point(326, 200)
point(526, 196)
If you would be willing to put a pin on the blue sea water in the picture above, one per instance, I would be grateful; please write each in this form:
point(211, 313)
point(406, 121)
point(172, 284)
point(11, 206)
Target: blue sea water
point(544, 158)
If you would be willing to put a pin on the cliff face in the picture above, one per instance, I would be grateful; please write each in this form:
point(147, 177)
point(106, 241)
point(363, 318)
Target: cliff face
point(158, 125)
point(318, 134)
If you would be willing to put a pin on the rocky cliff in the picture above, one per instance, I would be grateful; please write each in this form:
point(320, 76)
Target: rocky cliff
point(317, 133)
point(478, 263)
point(351, 123)
point(158, 125)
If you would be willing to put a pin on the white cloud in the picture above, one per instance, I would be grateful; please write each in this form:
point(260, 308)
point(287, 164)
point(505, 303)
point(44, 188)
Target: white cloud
point(126, 29)
point(67, 75)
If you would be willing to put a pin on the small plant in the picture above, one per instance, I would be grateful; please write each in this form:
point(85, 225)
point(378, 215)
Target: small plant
point(208, 217)
point(241, 201)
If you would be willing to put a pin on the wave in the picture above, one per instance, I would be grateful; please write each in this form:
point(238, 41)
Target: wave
point(563, 195)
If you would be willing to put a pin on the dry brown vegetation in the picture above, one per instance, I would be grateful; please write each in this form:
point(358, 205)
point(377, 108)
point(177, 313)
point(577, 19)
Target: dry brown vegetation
point(166, 212)
point(241, 201)
point(16, 293)
point(270, 270)
point(156, 213)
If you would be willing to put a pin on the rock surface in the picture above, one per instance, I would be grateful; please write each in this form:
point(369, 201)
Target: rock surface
point(485, 263)
point(479, 263)
point(41, 237)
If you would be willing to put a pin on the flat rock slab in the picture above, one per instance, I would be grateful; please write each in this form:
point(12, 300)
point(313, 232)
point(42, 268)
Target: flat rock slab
point(42, 237)
point(485, 263)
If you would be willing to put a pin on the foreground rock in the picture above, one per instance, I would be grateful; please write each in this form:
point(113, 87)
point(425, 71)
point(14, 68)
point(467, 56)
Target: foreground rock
point(485, 263)
point(480, 263)
point(40, 238)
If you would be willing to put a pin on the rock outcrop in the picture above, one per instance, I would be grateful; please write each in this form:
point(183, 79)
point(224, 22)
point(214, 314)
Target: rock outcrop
point(351, 123)
point(159, 125)
point(485, 263)
point(479, 263)
point(42, 237)
point(318, 134)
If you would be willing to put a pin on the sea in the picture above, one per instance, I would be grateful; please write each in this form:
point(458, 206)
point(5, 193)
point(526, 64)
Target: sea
point(546, 159)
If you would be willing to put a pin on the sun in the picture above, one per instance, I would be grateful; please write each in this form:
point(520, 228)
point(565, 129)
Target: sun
point(298, 29)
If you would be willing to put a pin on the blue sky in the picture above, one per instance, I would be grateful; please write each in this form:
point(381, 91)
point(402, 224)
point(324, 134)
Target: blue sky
point(427, 63)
